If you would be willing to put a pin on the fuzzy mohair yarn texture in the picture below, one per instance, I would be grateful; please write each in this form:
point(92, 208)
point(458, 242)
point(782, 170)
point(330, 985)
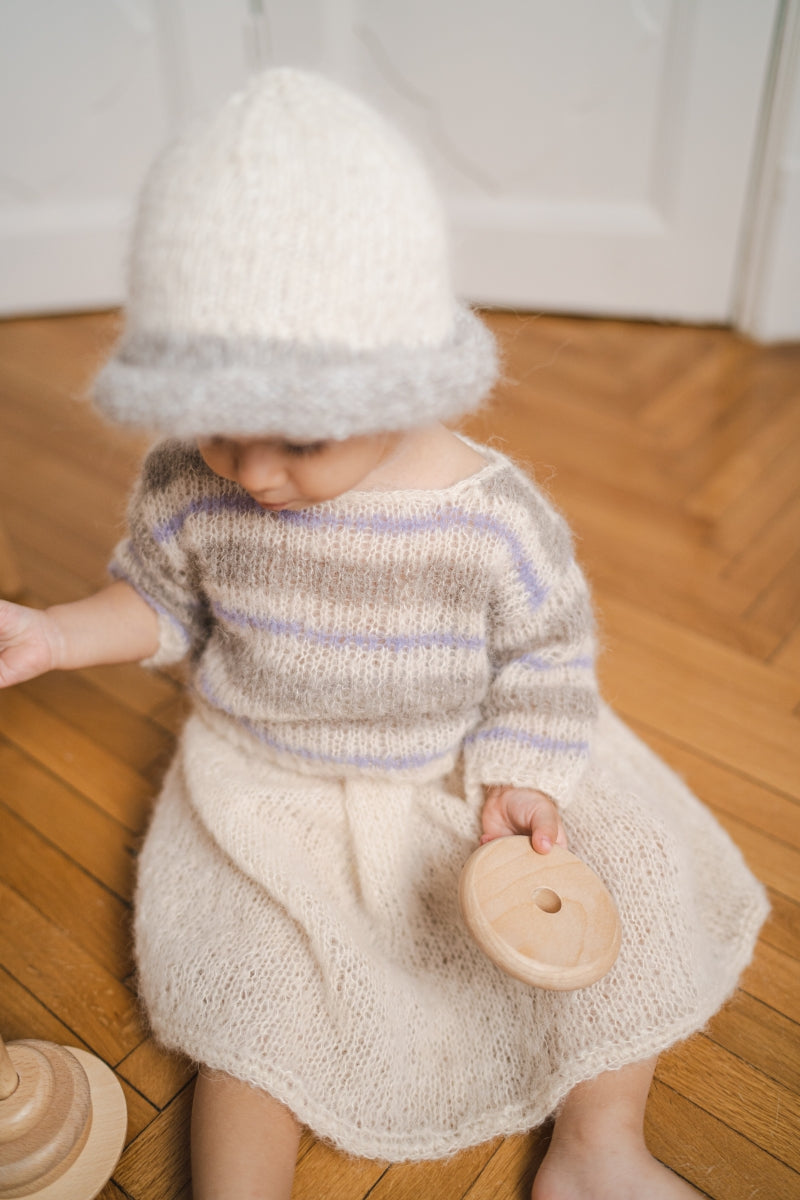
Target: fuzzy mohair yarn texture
point(355, 636)
point(359, 669)
point(289, 274)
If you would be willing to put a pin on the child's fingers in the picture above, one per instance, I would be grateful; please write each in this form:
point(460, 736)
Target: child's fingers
point(494, 825)
point(19, 663)
point(23, 649)
point(546, 828)
point(522, 811)
point(502, 815)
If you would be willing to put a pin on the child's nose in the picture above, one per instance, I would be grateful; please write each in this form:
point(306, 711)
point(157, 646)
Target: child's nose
point(260, 469)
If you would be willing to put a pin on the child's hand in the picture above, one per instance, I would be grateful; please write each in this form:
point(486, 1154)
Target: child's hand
point(26, 643)
point(114, 625)
point(510, 810)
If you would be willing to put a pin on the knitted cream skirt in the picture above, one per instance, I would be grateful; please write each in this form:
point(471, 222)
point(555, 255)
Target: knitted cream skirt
point(303, 934)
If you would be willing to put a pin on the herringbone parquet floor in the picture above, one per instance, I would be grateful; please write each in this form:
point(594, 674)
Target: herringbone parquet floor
point(675, 453)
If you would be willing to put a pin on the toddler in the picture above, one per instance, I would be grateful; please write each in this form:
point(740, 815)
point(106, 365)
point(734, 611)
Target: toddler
point(391, 655)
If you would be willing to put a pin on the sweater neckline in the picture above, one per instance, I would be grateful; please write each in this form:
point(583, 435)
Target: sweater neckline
point(495, 463)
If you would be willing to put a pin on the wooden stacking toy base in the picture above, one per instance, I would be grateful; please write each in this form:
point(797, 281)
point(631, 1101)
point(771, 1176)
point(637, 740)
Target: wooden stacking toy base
point(544, 918)
point(62, 1122)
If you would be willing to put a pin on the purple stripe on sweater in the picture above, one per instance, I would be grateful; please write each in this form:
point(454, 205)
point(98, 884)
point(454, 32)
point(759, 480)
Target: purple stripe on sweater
point(357, 760)
point(537, 741)
point(312, 518)
point(340, 639)
point(447, 518)
point(534, 663)
point(207, 505)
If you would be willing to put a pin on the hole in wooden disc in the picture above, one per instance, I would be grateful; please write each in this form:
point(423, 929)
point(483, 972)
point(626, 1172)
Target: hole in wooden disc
point(547, 900)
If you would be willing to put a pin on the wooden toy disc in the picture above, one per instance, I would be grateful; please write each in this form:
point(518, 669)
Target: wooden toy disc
point(544, 918)
point(86, 1166)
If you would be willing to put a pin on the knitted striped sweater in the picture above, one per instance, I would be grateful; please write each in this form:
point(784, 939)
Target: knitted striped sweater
point(385, 633)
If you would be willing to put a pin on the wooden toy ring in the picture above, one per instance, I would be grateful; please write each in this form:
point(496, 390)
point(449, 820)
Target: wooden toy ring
point(544, 918)
point(63, 1119)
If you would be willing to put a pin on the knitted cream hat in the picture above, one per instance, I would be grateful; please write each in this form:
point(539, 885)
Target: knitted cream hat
point(289, 275)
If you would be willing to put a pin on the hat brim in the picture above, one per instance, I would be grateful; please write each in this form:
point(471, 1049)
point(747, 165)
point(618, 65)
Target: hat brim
point(201, 386)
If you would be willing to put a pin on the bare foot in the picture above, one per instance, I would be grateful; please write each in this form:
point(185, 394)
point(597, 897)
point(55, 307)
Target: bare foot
point(598, 1151)
point(623, 1170)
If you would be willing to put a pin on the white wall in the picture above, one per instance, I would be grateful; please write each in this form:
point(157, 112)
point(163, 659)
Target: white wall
point(769, 305)
point(595, 155)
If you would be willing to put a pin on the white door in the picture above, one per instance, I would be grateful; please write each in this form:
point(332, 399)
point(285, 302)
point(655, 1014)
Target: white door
point(595, 155)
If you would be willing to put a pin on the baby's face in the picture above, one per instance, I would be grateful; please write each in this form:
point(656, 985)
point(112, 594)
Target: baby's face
point(281, 474)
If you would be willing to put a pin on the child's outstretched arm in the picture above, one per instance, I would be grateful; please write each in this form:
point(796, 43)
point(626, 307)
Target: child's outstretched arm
point(113, 625)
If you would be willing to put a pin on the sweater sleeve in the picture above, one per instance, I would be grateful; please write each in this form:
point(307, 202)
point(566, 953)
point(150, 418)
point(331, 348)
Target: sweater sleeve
point(542, 704)
point(153, 558)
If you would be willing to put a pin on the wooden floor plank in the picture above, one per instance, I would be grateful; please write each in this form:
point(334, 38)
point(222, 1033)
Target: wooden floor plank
point(24, 1015)
point(65, 424)
point(727, 791)
point(744, 469)
point(774, 977)
point(787, 653)
point(763, 562)
point(156, 1164)
point(509, 1173)
point(99, 844)
point(717, 1081)
point(722, 1162)
point(156, 1074)
point(111, 1192)
point(45, 581)
point(732, 728)
point(749, 519)
point(144, 692)
point(38, 536)
point(140, 1111)
point(682, 413)
point(782, 927)
point(623, 622)
point(761, 1036)
point(86, 501)
point(75, 988)
point(451, 1177)
point(323, 1171)
point(778, 604)
point(680, 600)
point(118, 789)
point(603, 447)
point(135, 740)
point(65, 894)
point(776, 864)
point(62, 349)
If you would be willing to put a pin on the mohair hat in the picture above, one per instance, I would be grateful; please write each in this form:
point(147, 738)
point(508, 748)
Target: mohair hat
point(289, 275)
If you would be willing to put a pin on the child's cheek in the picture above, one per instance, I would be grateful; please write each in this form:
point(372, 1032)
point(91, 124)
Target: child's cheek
point(213, 457)
point(319, 484)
